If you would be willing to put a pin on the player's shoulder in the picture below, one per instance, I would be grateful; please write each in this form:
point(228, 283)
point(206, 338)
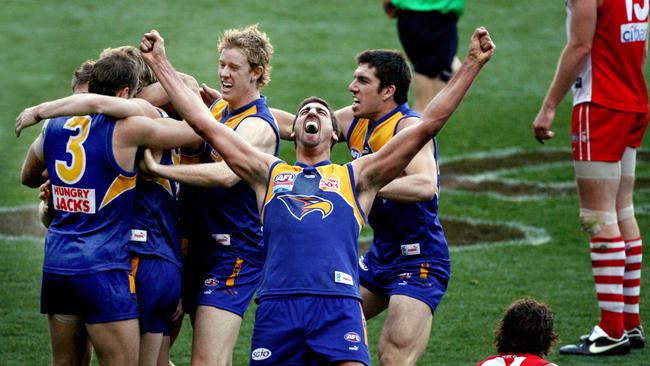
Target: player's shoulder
point(407, 121)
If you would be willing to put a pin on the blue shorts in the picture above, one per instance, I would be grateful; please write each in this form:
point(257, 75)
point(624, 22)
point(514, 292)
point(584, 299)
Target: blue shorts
point(229, 285)
point(430, 40)
point(100, 297)
point(309, 330)
point(417, 280)
point(158, 286)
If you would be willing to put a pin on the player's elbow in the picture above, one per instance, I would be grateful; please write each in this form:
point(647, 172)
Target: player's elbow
point(428, 191)
point(581, 49)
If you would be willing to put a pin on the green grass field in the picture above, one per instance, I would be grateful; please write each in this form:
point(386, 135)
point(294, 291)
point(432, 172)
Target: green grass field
point(315, 44)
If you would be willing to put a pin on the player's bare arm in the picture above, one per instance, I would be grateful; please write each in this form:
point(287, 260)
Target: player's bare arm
point(249, 164)
point(419, 182)
point(344, 116)
point(572, 60)
point(81, 105)
point(31, 174)
point(255, 131)
point(376, 170)
point(156, 95)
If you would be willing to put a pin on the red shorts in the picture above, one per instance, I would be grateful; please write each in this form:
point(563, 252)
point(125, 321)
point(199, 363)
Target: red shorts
point(602, 134)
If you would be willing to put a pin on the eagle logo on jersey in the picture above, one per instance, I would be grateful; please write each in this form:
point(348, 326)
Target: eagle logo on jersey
point(300, 206)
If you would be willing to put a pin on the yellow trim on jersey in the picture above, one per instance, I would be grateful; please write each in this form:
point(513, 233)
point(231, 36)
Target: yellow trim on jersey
point(381, 134)
point(165, 184)
point(424, 270)
point(120, 185)
point(218, 108)
point(285, 168)
point(135, 262)
point(230, 281)
point(345, 190)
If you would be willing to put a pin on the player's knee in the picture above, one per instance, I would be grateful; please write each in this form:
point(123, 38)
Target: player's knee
point(592, 221)
point(625, 213)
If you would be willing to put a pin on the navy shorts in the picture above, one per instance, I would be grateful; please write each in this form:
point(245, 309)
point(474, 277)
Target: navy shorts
point(100, 297)
point(158, 286)
point(309, 330)
point(430, 40)
point(418, 280)
point(229, 285)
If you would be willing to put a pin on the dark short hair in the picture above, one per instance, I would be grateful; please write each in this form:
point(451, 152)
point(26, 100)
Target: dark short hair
point(82, 74)
point(391, 68)
point(112, 73)
point(323, 102)
point(526, 327)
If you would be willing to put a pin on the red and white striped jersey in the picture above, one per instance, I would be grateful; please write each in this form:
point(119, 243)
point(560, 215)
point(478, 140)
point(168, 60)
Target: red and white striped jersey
point(613, 74)
point(515, 360)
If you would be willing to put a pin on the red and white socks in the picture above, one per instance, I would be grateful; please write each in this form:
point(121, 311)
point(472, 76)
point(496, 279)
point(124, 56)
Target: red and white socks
point(608, 263)
point(632, 283)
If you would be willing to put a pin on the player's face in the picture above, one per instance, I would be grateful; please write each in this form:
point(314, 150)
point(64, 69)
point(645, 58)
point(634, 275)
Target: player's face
point(235, 74)
point(367, 100)
point(313, 125)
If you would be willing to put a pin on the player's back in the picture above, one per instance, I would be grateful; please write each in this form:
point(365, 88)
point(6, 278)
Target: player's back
point(92, 195)
point(515, 360)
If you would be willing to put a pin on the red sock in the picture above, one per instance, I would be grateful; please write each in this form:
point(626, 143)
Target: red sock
point(632, 283)
point(608, 267)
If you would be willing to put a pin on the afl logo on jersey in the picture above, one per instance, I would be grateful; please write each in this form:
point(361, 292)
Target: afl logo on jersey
point(283, 182)
point(300, 206)
point(356, 154)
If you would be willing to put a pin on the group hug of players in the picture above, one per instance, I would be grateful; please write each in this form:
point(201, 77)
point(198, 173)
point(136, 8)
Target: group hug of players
point(118, 197)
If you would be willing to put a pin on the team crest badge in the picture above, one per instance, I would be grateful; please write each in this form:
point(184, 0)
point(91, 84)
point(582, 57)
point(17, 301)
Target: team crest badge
point(300, 205)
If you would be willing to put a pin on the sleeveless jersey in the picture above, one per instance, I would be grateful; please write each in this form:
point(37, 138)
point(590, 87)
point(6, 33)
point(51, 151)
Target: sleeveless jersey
point(226, 220)
point(403, 232)
point(156, 228)
point(311, 223)
point(514, 360)
point(93, 197)
point(613, 74)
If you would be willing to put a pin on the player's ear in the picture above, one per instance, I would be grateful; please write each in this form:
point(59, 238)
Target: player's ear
point(388, 92)
point(257, 71)
point(123, 93)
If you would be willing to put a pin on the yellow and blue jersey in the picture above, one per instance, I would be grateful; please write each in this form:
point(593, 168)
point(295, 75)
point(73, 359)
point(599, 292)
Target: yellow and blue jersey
point(403, 232)
point(156, 224)
point(92, 195)
point(225, 221)
point(312, 221)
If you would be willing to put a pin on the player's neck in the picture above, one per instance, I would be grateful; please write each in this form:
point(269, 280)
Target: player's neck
point(386, 108)
point(243, 100)
point(312, 155)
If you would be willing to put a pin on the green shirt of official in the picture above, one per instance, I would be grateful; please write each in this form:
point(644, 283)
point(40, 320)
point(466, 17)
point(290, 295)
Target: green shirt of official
point(443, 6)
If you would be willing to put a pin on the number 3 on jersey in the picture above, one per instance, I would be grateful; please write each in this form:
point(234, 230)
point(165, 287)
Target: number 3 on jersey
point(71, 173)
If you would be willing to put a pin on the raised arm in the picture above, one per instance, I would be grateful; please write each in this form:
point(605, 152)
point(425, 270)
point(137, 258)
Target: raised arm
point(251, 165)
point(572, 60)
point(84, 104)
point(375, 170)
point(284, 120)
point(156, 95)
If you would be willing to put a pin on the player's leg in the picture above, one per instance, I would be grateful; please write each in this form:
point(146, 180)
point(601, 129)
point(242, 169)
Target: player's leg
point(405, 333)
point(67, 338)
point(372, 304)
point(164, 354)
point(158, 282)
point(150, 346)
point(598, 178)
point(430, 40)
point(633, 250)
point(112, 316)
point(425, 88)
point(215, 335)
point(116, 343)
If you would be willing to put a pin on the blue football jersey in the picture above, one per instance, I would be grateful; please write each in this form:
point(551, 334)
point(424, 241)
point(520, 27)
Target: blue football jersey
point(311, 222)
point(403, 232)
